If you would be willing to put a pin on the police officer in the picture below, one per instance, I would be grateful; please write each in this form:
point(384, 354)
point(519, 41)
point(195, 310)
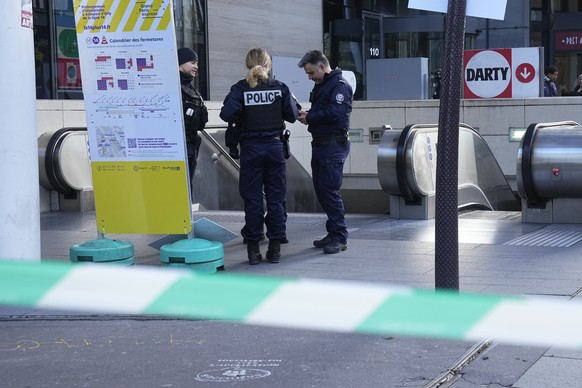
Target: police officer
point(260, 105)
point(328, 120)
point(195, 112)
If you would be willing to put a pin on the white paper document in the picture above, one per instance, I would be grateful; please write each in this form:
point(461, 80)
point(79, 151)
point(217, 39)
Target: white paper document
point(491, 9)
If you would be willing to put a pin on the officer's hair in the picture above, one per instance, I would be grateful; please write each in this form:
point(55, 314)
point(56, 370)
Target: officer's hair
point(258, 61)
point(313, 57)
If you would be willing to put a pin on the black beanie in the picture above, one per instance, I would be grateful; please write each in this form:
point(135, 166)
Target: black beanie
point(186, 54)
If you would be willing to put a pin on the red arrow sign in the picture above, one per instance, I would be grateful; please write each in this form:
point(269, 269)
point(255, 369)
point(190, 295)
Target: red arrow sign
point(525, 73)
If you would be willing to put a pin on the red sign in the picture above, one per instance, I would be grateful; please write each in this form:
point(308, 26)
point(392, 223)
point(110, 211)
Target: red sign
point(487, 73)
point(568, 40)
point(525, 73)
point(502, 73)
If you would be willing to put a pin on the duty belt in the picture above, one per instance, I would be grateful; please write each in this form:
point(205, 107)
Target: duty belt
point(343, 139)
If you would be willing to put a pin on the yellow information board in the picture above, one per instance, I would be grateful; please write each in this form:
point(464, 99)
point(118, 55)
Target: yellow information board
point(127, 188)
point(131, 87)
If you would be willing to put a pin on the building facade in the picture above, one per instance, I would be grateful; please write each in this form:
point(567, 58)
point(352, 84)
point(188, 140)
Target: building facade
point(350, 32)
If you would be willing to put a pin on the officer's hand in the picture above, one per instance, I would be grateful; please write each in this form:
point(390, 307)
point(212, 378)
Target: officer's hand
point(233, 152)
point(302, 117)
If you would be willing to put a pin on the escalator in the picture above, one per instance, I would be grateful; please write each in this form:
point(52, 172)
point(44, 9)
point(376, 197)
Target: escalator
point(215, 183)
point(64, 164)
point(407, 171)
point(65, 168)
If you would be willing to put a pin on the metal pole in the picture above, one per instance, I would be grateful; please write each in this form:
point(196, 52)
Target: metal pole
point(19, 179)
point(446, 201)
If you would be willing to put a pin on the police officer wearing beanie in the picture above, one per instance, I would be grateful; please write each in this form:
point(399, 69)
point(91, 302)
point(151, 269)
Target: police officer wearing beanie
point(260, 105)
point(195, 112)
point(328, 121)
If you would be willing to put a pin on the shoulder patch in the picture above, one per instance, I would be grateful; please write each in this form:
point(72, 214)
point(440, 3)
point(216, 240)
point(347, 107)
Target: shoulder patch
point(339, 98)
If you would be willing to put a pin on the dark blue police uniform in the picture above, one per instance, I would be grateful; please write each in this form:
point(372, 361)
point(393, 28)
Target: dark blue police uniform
point(195, 119)
point(329, 121)
point(260, 112)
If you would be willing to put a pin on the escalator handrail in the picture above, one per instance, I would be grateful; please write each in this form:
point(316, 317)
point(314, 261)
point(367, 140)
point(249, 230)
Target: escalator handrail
point(218, 146)
point(52, 162)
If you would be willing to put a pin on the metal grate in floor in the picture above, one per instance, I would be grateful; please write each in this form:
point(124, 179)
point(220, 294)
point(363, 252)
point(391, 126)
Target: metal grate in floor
point(239, 217)
point(558, 235)
point(491, 215)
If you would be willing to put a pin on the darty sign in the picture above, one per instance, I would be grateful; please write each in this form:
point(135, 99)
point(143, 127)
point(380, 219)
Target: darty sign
point(503, 73)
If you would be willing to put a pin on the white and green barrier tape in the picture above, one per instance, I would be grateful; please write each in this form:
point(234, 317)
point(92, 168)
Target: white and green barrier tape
point(331, 305)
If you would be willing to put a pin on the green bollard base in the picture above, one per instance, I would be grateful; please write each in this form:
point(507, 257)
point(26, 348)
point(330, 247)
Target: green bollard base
point(103, 251)
point(191, 251)
point(208, 267)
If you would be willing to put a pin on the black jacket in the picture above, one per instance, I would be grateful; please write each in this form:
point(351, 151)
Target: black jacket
point(331, 105)
point(195, 112)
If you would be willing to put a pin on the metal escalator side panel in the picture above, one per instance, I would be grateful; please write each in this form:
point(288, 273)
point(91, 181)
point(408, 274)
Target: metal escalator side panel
point(43, 141)
point(53, 159)
point(421, 156)
point(216, 182)
point(556, 162)
point(386, 161)
point(542, 148)
point(74, 160)
point(407, 167)
point(523, 171)
point(479, 168)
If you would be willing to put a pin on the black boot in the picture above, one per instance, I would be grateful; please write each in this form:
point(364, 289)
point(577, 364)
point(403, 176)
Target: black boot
point(254, 253)
point(274, 251)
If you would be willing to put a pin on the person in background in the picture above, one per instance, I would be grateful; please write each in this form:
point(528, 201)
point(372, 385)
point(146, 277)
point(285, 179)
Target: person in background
point(550, 78)
point(578, 86)
point(260, 106)
point(195, 112)
point(328, 122)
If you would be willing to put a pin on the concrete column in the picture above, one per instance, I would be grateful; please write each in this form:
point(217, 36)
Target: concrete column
point(19, 179)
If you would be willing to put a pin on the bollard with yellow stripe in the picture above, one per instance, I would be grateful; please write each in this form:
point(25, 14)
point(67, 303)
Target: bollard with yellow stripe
point(331, 305)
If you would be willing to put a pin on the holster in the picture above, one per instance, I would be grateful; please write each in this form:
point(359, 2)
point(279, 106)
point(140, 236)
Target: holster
point(285, 135)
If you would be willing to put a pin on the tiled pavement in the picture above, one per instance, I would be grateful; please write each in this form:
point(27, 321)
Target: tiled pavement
point(40, 348)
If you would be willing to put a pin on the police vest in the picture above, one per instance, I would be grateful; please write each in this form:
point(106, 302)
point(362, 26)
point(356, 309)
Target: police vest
point(262, 107)
point(195, 112)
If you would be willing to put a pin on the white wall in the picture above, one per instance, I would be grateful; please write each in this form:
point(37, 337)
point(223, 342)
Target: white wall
point(283, 28)
point(492, 118)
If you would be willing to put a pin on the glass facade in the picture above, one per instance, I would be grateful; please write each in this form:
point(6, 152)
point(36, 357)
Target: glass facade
point(355, 31)
point(58, 73)
point(358, 31)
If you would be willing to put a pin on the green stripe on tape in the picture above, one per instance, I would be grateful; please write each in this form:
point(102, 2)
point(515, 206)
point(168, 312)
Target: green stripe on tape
point(24, 283)
point(219, 296)
point(333, 305)
point(421, 313)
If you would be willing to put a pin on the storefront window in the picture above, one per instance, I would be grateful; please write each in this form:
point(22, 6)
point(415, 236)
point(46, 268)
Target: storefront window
point(42, 51)
point(58, 72)
point(68, 68)
point(190, 20)
point(566, 6)
point(346, 51)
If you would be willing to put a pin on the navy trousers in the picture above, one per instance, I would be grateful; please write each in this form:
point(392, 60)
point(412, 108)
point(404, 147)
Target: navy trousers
point(327, 165)
point(262, 167)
